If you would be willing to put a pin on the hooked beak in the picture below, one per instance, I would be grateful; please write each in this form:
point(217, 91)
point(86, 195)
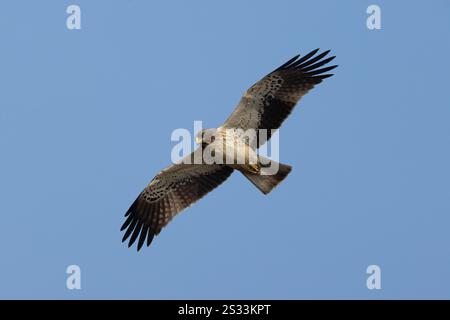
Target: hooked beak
point(198, 140)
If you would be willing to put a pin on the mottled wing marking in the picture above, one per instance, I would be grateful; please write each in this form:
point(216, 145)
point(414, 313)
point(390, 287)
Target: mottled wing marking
point(270, 101)
point(172, 190)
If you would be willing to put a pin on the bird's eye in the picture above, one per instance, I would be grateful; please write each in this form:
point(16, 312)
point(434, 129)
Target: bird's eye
point(213, 138)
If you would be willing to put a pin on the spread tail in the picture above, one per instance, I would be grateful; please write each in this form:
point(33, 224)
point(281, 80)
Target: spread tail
point(264, 180)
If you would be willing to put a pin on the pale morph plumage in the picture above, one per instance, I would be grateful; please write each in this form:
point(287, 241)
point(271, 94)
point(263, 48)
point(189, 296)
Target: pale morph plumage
point(264, 106)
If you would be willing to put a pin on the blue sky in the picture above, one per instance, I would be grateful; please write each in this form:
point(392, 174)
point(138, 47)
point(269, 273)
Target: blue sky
point(85, 123)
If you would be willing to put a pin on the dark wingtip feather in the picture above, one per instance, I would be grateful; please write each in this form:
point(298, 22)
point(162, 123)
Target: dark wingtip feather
point(150, 239)
point(288, 63)
point(308, 62)
point(314, 51)
point(126, 223)
point(135, 234)
point(305, 57)
point(311, 61)
point(324, 76)
point(313, 69)
point(132, 207)
point(142, 237)
point(129, 230)
point(315, 66)
point(319, 71)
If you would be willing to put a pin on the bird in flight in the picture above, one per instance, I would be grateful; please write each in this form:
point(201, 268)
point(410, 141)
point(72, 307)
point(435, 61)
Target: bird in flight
point(264, 106)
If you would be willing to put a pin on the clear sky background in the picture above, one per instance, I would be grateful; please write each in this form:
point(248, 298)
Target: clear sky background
point(85, 123)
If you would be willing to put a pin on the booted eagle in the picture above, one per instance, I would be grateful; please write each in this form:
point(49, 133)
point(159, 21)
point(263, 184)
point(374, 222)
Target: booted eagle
point(264, 106)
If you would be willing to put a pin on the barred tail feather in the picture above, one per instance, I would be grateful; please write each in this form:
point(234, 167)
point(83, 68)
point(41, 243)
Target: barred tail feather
point(265, 183)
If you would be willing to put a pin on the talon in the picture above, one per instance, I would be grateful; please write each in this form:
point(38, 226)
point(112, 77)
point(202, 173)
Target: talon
point(254, 168)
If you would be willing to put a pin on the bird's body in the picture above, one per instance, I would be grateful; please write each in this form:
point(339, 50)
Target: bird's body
point(230, 147)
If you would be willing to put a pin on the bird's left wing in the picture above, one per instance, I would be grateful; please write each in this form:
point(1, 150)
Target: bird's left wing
point(270, 101)
point(172, 190)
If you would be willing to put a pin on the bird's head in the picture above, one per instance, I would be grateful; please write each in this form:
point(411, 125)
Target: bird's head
point(206, 136)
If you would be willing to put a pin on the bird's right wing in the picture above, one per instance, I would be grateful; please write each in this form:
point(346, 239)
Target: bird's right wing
point(172, 190)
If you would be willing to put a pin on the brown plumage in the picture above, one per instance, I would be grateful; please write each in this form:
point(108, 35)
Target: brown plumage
point(270, 101)
point(264, 106)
